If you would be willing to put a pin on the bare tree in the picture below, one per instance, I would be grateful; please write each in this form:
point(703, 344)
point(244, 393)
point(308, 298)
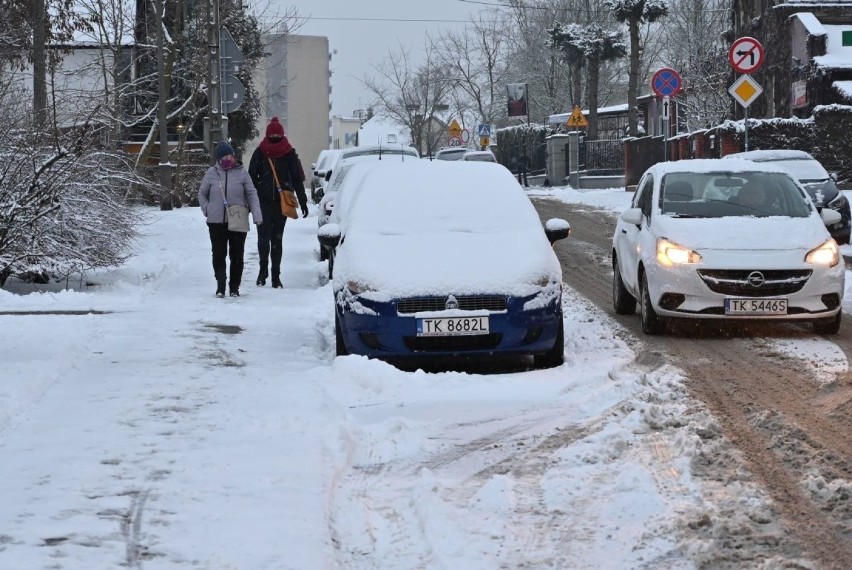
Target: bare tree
point(695, 47)
point(476, 58)
point(412, 95)
point(634, 13)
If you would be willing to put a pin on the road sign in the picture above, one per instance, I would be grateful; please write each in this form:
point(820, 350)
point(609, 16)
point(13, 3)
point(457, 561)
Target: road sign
point(484, 142)
point(483, 130)
point(745, 90)
point(455, 130)
point(455, 141)
point(667, 112)
point(232, 57)
point(666, 82)
point(746, 55)
point(577, 119)
point(233, 93)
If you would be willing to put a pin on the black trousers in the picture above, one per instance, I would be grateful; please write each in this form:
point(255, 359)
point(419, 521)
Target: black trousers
point(270, 235)
point(231, 244)
point(523, 173)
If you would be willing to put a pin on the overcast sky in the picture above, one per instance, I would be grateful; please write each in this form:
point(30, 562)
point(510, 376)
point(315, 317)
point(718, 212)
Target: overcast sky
point(363, 43)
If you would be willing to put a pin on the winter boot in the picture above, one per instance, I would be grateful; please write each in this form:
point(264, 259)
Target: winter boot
point(261, 277)
point(276, 282)
point(235, 292)
point(220, 288)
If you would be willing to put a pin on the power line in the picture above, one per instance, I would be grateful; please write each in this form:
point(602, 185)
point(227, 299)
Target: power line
point(306, 18)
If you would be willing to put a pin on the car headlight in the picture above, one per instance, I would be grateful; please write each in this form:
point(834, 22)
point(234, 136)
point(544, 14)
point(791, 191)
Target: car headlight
point(827, 254)
point(358, 288)
point(670, 253)
point(839, 203)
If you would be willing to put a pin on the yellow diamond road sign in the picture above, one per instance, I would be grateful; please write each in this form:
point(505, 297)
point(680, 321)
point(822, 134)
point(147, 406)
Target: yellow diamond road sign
point(454, 129)
point(577, 118)
point(745, 90)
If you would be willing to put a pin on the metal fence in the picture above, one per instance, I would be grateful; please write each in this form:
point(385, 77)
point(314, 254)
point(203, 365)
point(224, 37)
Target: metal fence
point(602, 157)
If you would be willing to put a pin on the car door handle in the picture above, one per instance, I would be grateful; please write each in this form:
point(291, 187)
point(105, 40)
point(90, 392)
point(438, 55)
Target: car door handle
point(623, 231)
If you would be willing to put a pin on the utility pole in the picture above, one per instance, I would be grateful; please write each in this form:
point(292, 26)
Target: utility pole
point(214, 93)
point(39, 66)
point(165, 168)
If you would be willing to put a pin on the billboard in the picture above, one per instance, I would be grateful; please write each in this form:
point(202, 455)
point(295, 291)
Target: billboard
point(517, 93)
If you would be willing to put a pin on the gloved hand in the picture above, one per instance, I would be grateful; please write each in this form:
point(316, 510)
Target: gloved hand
point(304, 210)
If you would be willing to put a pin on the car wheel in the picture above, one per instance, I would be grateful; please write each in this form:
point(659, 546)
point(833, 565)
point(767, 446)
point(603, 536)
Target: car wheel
point(622, 301)
point(338, 333)
point(652, 323)
point(556, 355)
point(828, 326)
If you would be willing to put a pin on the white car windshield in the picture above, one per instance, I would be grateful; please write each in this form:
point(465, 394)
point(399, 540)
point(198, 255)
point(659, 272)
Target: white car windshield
point(723, 194)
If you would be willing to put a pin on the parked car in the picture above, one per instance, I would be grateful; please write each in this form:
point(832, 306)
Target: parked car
point(451, 153)
point(821, 186)
point(422, 266)
point(726, 239)
point(338, 173)
point(479, 156)
point(318, 171)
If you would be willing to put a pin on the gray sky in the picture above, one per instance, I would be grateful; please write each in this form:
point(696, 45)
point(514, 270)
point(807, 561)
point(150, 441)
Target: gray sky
point(361, 44)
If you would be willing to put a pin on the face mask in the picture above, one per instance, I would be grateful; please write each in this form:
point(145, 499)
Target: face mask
point(275, 138)
point(228, 162)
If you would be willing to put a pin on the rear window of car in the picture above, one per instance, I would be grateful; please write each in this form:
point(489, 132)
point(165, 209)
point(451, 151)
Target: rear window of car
point(454, 154)
point(804, 169)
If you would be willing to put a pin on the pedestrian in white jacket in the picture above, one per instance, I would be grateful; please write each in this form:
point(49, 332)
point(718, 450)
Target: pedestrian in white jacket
point(225, 184)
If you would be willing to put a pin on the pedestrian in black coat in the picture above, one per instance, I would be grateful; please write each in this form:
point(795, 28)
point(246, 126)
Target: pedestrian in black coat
point(275, 150)
point(523, 166)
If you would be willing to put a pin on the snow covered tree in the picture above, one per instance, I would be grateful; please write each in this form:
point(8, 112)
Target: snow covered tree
point(634, 13)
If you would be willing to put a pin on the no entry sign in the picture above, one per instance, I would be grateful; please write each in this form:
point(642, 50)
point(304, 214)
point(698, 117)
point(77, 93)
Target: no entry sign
point(666, 82)
point(746, 55)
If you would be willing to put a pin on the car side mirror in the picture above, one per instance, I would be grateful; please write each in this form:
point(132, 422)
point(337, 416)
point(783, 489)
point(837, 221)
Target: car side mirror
point(556, 229)
point(327, 175)
point(632, 216)
point(320, 192)
point(329, 235)
point(830, 217)
point(313, 165)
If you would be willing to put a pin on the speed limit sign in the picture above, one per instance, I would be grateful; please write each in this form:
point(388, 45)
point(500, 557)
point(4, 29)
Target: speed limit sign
point(455, 141)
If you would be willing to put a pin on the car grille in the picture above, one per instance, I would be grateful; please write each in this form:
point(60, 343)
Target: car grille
point(466, 303)
point(736, 282)
point(452, 343)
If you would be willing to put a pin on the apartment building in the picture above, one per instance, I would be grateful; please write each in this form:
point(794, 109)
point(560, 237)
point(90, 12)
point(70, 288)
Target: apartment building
point(295, 85)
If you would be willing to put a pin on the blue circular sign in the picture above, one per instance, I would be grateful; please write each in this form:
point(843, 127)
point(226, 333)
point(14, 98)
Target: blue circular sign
point(666, 82)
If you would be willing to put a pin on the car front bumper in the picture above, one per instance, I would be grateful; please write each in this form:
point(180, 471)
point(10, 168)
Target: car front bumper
point(680, 291)
point(379, 330)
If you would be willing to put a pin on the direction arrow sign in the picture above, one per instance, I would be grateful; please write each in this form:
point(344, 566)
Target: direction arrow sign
point(667, 103)
point(746, 55)
point(666, 82)
point(577, 118)
point(745, 90)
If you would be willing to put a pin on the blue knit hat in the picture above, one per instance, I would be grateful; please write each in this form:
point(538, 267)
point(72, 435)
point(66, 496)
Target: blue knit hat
point(223, 149)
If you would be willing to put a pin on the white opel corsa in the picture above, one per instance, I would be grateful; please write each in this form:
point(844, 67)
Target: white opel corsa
point(725, 239)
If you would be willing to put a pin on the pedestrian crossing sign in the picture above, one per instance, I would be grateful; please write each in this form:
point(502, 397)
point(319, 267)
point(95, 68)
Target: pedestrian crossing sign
point(577, 119)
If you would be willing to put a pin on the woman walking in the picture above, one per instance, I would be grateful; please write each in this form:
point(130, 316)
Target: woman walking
point(275, 165)
point(227, 184)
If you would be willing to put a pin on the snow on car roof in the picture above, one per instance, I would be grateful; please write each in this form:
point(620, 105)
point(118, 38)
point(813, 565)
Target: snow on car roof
point(440, 195)
point(770, 155)
point(702, 165)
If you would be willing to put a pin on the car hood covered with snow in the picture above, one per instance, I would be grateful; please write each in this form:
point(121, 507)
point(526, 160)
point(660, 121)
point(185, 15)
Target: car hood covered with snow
point(743, 233)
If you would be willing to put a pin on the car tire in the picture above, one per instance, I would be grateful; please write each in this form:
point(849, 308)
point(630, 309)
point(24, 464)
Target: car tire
point(622, 301)
point(828, 326)
point(556, 355)
point(652, 323)
point(340, 342)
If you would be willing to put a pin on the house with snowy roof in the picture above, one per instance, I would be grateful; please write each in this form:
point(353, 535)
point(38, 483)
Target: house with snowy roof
point(808, 46)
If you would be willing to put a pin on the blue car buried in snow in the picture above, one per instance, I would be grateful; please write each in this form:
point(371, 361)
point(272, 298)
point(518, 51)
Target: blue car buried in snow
point(445, 259)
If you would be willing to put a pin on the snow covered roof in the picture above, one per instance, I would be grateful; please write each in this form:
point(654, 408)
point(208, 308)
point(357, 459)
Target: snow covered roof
point(837, 55)
point(814, 3)
point(810, 22)
point(560, 118)
point(845, 88)
point(770, 155)
point(714, 165)
point(382, 130)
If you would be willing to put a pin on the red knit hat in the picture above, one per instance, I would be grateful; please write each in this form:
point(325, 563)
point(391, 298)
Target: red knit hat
point(274, 128)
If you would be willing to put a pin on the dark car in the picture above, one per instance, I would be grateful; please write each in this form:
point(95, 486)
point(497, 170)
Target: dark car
point(820, 185)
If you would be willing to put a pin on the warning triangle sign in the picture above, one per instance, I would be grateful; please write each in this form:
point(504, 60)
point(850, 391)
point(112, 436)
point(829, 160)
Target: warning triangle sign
point(577, 118)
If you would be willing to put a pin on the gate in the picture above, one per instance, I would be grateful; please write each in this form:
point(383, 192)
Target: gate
point(602, 157)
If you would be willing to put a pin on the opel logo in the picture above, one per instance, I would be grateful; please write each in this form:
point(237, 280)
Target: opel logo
point(756, 279)
point(452, 303)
